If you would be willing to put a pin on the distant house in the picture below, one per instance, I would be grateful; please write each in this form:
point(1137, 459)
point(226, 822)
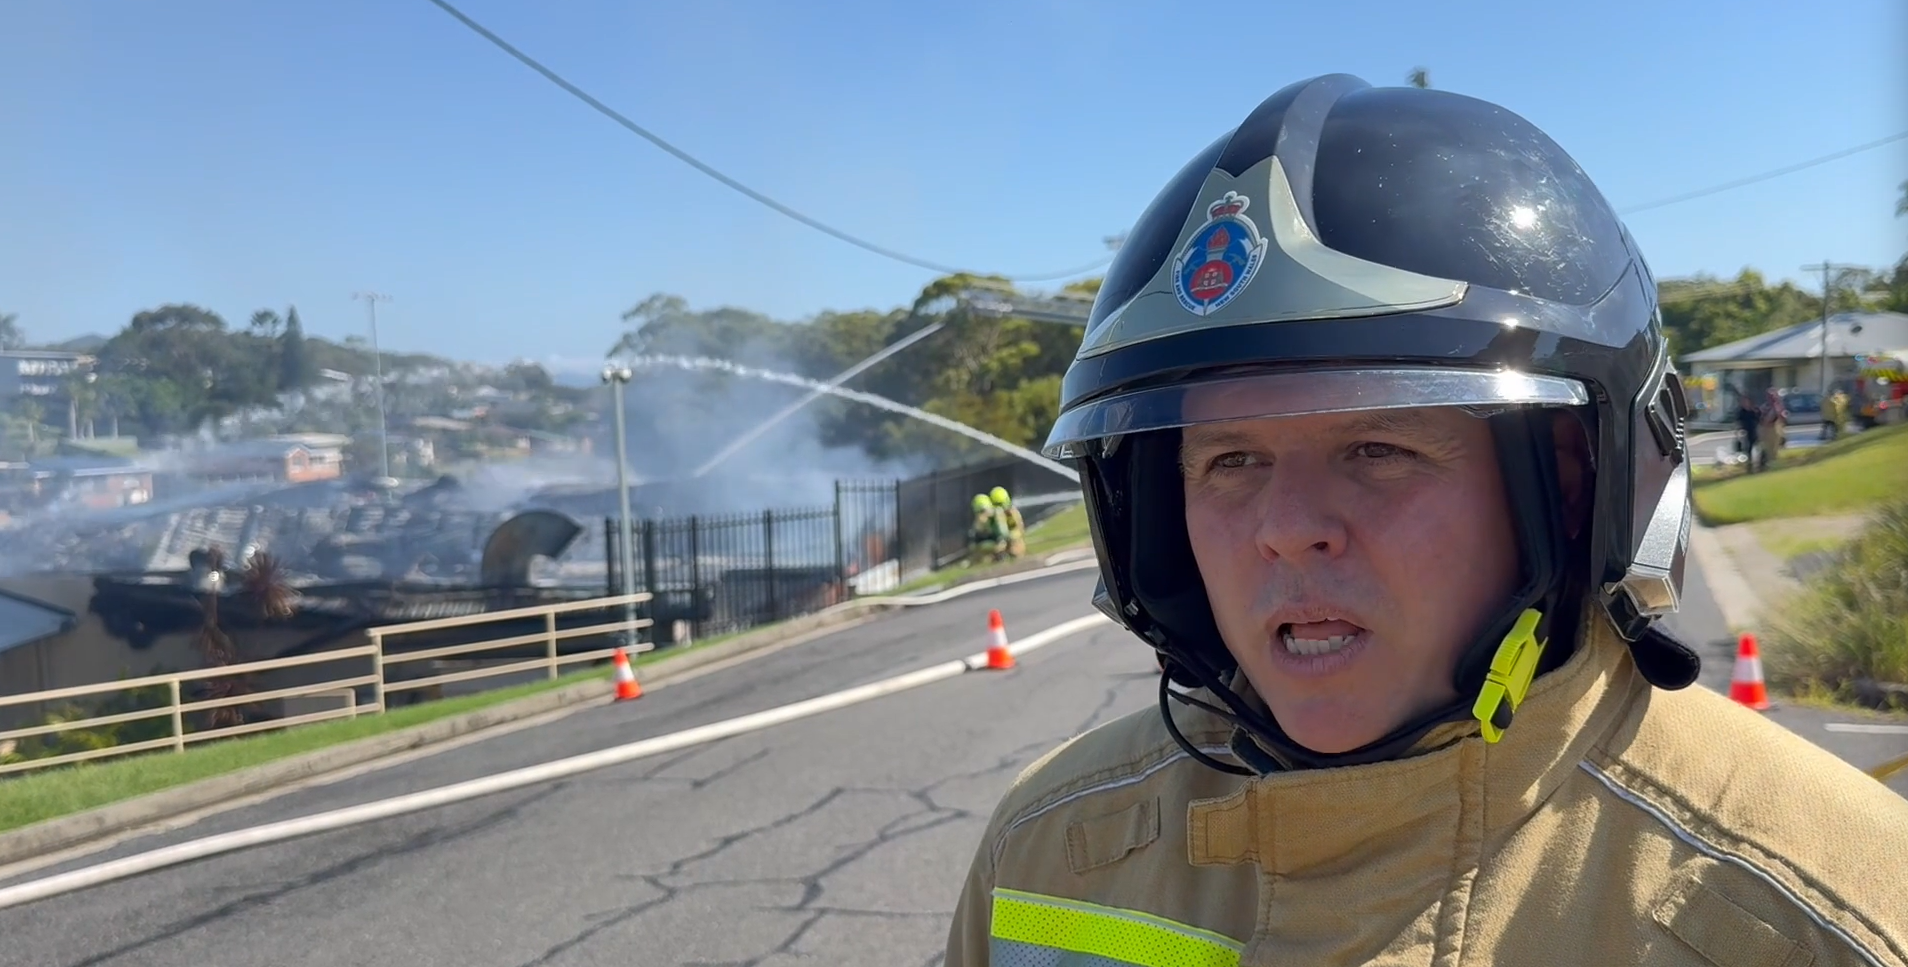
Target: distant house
point(407, 449)
point(1792, 357)
point(95, 482)
point(38, 373)
point(543, 442)
point(286, 459)
point(25, 623)
point(441, 424)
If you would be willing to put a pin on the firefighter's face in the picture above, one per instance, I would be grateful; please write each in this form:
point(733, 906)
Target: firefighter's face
point(1349, 559)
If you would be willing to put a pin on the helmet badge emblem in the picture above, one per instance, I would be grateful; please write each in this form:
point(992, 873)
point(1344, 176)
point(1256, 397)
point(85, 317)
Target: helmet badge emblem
point(1220, 258)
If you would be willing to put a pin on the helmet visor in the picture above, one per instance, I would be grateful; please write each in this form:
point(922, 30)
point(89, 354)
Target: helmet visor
point(1299, 392)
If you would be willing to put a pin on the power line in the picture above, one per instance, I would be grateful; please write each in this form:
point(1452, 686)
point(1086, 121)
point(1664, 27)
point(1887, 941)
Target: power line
point(696, 163)
point(1765, 176)
point(690, 160)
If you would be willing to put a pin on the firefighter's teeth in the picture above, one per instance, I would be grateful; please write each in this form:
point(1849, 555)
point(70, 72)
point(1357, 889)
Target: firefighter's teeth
point(1316, 646)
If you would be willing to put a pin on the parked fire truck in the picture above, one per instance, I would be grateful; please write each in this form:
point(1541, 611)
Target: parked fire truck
point(1881, 389)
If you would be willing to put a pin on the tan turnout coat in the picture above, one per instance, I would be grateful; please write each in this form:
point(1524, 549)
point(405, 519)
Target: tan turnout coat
point(1613, 824)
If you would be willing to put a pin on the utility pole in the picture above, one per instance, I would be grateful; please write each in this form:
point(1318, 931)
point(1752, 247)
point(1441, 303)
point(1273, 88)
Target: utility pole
point(371, 300)
point(618, 377)
point(1827, 269)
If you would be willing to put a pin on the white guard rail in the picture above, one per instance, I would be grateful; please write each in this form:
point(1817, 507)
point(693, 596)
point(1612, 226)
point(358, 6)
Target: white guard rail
point(346, 688)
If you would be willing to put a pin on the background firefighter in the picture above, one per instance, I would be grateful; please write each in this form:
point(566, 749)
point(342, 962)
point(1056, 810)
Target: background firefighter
point(1010, 515)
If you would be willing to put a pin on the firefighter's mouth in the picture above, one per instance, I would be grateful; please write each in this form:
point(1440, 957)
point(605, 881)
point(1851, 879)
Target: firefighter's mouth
point(1318, 637)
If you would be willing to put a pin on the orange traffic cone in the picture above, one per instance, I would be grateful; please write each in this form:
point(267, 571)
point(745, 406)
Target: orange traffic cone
point(626, 687)
point(998, 657)
point(1746, 686)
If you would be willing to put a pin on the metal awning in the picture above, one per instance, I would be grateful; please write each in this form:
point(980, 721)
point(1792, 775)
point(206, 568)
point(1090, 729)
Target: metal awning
point(1850, 334)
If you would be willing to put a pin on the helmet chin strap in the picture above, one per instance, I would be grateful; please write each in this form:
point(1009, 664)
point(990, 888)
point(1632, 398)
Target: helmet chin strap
point(1493, 673)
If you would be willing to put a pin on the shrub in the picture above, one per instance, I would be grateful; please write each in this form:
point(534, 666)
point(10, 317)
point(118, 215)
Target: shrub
point(1850, 623)
point(67, 741)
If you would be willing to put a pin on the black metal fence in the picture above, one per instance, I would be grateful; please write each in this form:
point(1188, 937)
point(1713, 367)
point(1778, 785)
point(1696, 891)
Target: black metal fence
point(870, 528)
point(722, 573)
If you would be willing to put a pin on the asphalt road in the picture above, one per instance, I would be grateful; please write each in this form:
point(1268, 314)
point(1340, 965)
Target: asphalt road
point(838, 839)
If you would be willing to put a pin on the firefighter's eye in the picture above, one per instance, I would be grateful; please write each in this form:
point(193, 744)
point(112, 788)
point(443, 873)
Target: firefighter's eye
point(1382, 451)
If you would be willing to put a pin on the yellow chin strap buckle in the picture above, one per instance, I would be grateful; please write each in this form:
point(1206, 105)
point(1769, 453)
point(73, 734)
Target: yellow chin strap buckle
point(1512, 669)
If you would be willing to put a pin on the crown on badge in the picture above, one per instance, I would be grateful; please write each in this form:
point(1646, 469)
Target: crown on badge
point(1232, 204)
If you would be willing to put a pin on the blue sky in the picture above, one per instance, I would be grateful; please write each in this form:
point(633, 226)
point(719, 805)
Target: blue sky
point(241, 155)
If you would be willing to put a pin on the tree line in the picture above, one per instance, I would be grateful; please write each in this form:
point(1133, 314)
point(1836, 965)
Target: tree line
point(1002, 375)
point(175, 367)
point(179, 366)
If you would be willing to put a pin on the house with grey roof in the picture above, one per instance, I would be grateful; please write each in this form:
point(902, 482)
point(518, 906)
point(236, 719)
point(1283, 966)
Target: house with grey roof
point(1792, 356)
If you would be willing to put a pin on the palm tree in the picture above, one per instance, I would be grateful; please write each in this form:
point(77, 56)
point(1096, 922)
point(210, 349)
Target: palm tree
point(1901, 204)
point(264, 584)
point(82, 396)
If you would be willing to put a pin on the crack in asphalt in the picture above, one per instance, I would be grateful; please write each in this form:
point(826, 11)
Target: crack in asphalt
point(1107, 701)
point(926, 811)
point(604, 921)
point(360, 862)
point(653, 774)
point(675, 881)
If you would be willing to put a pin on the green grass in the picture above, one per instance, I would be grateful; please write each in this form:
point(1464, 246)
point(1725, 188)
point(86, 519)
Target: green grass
point(1850, 475)
point(1066, 529)
point(63, 790)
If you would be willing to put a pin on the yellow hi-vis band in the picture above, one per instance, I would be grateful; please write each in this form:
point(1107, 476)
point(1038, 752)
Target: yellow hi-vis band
point(1512, 668)
point(1088, 933)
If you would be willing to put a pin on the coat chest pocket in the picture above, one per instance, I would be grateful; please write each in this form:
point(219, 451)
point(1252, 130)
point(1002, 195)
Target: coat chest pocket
point(1101, 840)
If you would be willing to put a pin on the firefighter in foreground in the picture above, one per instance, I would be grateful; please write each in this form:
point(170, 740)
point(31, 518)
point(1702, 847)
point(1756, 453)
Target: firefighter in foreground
point(1384, 457)
point(1010, 515)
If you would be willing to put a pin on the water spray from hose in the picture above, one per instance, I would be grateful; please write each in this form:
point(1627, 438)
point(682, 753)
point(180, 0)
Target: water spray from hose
point(811, 396)
point(708, 364)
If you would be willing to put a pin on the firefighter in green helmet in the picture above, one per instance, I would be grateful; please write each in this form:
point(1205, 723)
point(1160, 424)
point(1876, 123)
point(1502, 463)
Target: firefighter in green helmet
point(1010, 515)
point(987, 535)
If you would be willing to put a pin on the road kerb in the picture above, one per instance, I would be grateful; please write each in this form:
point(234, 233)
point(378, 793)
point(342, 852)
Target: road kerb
point(1734, 597)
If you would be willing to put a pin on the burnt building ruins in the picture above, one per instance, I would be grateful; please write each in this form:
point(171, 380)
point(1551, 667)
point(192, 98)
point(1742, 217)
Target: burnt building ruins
point(358, 555)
